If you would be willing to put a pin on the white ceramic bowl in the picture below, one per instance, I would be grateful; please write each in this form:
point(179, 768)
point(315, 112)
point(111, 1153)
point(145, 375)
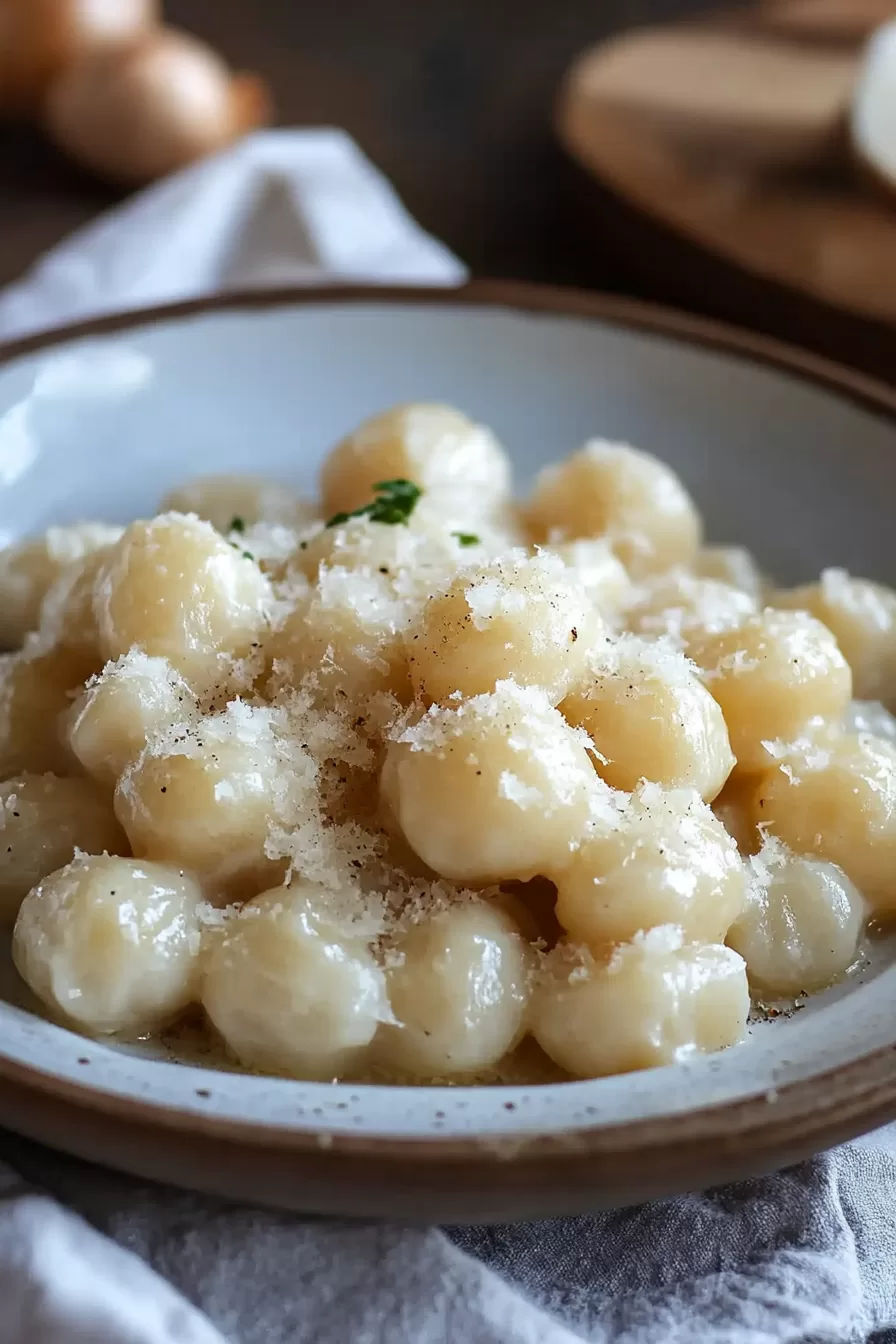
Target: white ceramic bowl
point(791, 457)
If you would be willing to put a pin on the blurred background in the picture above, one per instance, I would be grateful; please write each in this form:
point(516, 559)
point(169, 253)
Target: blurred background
point(456, 102)
point(451, 98)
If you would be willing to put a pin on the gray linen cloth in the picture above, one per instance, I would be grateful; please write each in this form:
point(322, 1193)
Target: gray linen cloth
point(89, 1257)
point(807, 1256)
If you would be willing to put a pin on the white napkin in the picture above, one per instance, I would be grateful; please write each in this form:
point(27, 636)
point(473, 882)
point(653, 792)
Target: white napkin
point(282, 207)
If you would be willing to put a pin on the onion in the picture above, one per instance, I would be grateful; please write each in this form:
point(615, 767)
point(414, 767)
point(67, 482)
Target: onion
point(39, 38)
point(137, 114)
point(873, 115)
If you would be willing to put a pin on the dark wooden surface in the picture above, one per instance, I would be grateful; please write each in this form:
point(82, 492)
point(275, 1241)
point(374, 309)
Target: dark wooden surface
point(451, 98)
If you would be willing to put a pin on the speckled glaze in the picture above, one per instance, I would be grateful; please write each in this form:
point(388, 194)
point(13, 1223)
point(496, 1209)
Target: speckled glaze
point(784, 453)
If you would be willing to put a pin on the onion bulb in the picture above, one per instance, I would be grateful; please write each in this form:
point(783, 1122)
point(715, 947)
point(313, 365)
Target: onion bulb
point(40, 38)
point(873, 116)
point(137, 114)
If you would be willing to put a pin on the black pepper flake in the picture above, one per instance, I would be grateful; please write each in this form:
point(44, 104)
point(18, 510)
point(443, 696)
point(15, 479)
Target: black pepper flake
point(15, 814)
point(384, 569)
point(164, 788)
point(574, 634)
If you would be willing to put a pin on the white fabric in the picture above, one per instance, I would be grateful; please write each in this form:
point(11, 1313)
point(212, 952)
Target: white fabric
point(804, 1257)
point(283, 207)
point(807, 1256)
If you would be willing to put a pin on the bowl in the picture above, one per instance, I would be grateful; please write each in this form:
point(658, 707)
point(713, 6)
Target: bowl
point(784, 453)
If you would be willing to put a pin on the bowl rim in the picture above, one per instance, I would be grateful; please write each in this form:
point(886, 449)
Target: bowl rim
point(794, 1120)
point(517, 295)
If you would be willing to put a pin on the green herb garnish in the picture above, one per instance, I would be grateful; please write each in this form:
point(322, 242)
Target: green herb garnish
point(466, 538)
point(247, 555)
point(237, 524)
point(394, 503)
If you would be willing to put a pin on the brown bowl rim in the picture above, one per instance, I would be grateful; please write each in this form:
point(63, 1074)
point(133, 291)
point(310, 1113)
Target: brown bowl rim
point(782, 1124)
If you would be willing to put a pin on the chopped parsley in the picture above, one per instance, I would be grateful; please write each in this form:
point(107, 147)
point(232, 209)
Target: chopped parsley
point(394, 503)
point(247, 555)
point(237, 524)
point(466, 538)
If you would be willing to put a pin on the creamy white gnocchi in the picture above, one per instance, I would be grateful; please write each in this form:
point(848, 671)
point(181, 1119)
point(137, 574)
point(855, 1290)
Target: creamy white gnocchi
point(419, 780)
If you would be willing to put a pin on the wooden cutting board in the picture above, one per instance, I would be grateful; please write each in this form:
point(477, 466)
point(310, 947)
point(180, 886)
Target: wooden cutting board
point(775, 230)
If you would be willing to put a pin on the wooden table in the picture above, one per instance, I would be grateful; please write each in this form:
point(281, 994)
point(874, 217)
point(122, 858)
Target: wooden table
point(451, 98)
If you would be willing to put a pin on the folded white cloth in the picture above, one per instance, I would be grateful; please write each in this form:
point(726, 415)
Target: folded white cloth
point(89, 1257)
point(807, 1256)
point(282, 207)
